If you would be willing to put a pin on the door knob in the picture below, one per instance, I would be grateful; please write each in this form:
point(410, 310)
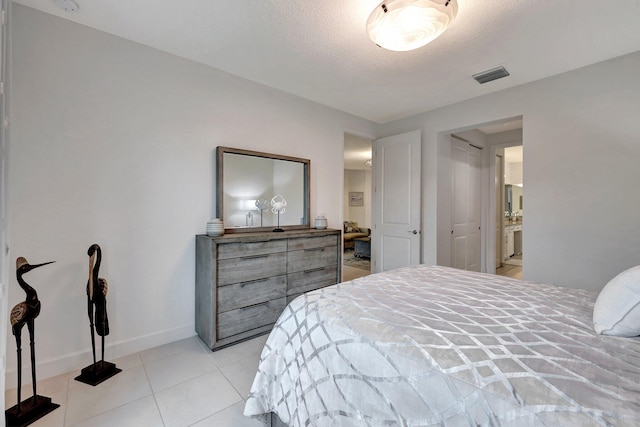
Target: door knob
point(413, 231)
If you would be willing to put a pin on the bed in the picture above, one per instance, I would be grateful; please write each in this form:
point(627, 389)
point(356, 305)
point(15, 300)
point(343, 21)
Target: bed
point(428, 345)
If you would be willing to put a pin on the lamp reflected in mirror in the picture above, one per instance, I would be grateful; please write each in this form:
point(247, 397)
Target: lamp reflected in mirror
point(249, 206)
point(261, 204)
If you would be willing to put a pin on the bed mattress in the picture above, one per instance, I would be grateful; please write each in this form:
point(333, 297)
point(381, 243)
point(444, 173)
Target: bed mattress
point(423, 346)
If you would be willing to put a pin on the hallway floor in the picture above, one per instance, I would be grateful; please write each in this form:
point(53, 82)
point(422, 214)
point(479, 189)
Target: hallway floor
point(350, 273)
point(511, 267)
point(513, 271)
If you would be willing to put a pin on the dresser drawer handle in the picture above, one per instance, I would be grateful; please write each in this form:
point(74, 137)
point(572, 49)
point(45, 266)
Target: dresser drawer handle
point(315, 270)
point(243, 284)
point(248, 258)
point(255, 305)
point(266, 281)
point(314, 249)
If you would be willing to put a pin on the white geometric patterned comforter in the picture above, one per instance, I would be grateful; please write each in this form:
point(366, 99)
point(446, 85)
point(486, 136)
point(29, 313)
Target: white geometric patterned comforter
point(423, 346)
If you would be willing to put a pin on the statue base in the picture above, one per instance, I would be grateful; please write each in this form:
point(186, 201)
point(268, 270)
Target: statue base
point(31, 410)
point(97, 372)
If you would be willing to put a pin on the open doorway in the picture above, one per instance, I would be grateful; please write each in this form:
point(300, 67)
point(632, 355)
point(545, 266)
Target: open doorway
point(512, 188)
point(506, 197)
point(357, 207)
point(457, 195)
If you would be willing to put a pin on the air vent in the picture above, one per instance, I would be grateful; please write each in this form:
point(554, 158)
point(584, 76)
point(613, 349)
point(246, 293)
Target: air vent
point(490, 75)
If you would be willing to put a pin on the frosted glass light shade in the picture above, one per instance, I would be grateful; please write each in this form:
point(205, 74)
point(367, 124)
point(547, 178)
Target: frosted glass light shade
point(403, 25)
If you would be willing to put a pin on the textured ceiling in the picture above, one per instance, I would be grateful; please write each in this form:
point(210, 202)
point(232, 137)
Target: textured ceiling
point(319, 50)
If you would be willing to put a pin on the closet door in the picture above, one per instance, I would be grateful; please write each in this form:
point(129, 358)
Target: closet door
point(466, 206)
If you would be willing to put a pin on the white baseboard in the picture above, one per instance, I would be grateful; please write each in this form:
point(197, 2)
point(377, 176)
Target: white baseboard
point(76, 361)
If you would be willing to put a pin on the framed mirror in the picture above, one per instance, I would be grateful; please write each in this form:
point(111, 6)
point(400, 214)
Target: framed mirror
point(251, 183)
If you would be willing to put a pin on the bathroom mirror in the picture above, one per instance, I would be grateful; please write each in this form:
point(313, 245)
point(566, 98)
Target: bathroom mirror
point(512, 199)
point(247, 183)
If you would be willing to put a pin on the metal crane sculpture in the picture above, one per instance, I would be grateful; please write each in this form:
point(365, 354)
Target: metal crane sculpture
point(97, 289)
point(25, 313)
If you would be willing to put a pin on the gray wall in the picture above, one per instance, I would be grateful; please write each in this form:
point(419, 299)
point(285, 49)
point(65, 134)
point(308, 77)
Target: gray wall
point(113, 143)
point(581, 138)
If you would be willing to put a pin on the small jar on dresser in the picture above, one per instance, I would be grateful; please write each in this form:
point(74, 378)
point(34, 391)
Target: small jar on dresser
point(245, 280)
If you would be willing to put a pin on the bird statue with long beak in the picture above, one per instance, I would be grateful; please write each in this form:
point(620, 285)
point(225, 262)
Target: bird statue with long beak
point(97, 289)
point(25, 313)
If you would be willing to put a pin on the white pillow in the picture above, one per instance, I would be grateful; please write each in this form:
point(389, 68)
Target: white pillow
point(617, 308)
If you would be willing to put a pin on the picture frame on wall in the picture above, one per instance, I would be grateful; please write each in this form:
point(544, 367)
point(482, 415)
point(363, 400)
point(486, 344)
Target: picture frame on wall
point(356, 198)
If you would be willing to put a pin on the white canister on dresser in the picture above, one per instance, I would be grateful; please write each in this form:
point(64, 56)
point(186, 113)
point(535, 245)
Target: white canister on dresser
point(215, 227)
point(321, 222)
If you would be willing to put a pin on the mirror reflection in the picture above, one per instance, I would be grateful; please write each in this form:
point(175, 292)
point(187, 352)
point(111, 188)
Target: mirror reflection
point(252, 187)
point(512, 200)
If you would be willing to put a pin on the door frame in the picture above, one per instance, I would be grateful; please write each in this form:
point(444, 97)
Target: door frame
point(5, 31)
point(491, 246)
point(371, 138)
point(488, 195)
point(498, 162)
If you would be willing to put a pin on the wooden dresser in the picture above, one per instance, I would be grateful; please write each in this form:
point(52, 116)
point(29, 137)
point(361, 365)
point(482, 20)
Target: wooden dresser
point(245, 280)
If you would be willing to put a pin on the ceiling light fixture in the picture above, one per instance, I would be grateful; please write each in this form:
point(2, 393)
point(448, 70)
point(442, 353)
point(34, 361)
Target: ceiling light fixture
point(403, 25)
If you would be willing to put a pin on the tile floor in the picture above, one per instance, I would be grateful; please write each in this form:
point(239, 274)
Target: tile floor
point(178, 384)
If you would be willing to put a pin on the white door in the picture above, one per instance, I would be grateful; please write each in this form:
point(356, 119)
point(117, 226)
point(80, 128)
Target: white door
point(397, 202)
point(466, 206)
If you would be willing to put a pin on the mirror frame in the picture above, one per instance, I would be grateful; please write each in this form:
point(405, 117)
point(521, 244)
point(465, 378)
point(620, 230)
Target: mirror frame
point(306, 163)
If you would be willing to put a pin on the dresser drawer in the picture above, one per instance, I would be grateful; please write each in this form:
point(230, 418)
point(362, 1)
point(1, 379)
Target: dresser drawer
point(248, 268)
point(244, 319)
point(312, 242)
point(312, 258)
point(308, 280)
point(244, 294)
point(249, 249)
